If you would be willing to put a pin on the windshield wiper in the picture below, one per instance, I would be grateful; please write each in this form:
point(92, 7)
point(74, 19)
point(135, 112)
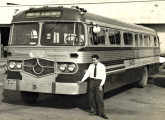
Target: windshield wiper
point(54, 25)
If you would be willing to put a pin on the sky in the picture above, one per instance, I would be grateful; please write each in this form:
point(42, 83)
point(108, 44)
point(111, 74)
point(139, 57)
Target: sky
point(145, 12)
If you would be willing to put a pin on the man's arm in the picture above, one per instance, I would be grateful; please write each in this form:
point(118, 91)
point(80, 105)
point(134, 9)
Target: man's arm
point(85, 76)
point(103, 76)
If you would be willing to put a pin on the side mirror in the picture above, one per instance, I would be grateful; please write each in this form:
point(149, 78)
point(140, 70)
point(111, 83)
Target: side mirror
point(96, 29)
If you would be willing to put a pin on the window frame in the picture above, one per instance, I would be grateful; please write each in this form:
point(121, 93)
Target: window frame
point(147, 40)
point(91, 36)
point(63, 36)
point(128, 32)
point(118, 33)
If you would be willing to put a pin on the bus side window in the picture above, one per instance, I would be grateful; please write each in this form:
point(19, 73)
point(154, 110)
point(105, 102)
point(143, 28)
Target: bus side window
point(147, 40)
point(111, 35)
point(152, 40)
point(101, 37)
point(95, 39)
point(117, 36)
point(141, 39)
point(114, 37)
point(136, 39)
point(128, 38)
point(92, 36)
point(155, 41)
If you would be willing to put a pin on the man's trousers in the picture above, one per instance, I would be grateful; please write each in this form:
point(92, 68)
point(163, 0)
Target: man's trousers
point(96, 97)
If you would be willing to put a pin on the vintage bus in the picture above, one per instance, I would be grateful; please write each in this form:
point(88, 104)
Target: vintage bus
point(50, 49)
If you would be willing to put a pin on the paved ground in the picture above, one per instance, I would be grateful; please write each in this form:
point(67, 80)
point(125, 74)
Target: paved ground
point(126, 103)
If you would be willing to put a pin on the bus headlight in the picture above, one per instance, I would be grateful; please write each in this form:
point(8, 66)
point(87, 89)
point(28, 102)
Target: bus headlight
point(62, 67)
point(19, 65)
point(72, 67)
point(12, 64)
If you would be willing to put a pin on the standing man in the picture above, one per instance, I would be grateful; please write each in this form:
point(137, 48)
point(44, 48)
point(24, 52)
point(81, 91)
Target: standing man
point(97, 74)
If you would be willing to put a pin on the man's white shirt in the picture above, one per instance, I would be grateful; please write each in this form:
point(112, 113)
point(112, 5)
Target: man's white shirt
point(100, 73)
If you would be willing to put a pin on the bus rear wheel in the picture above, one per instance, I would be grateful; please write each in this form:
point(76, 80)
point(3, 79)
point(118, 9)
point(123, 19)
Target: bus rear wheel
point(29, 97)
point(143, 82)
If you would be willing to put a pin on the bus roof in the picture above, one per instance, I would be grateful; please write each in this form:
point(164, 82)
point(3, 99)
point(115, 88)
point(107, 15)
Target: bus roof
point(72, 15)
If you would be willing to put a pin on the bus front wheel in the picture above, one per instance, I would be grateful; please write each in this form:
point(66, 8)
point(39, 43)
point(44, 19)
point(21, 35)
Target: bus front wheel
point(143, 82)
point(29, 97)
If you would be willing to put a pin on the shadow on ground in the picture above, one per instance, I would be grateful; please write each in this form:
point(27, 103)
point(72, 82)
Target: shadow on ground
point(159, 81)
point(56, 101)
point(44, 100)
point(118, 91)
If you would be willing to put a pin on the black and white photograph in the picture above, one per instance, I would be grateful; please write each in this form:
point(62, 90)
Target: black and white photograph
point(82, 60)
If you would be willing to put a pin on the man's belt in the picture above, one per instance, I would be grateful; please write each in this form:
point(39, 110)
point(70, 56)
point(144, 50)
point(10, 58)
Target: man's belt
point(95, 79)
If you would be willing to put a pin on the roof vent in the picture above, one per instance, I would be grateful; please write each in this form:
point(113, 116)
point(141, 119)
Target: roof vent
point(82, 10)
point(45, 6)
point(31, 8)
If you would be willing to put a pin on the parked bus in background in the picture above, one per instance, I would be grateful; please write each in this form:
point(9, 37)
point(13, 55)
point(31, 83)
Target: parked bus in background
point(50, 49)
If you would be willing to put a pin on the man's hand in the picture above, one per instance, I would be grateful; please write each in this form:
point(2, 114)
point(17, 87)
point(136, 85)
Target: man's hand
point(100, 88)
point(79, 82)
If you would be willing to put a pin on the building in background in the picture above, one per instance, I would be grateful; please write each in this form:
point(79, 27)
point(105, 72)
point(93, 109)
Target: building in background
point(147, 13)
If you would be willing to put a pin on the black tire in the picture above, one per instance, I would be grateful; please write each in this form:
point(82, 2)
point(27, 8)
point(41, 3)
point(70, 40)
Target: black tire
point(162, 68)
point(143, 82)
point(29, 97)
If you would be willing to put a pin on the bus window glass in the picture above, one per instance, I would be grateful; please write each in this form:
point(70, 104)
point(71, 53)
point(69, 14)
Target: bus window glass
point(141, 39)
point(128, 38)
point(155, 41)
point(147, 40)
point(48, 36)
point(62, 34)
point(136, 39)
point(25, 34)
point(117, 36)
point(114, 37)
point(69, 38)
point(90, 33)
point(56, 37)
point(101, 37)
point(34, 34)
point(97, 38)
point(152, 40)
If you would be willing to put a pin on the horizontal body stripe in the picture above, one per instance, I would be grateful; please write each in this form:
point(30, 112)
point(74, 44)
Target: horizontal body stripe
point(115, 62)
point(116, 48)
point(131, 63)
point(113, 66)
point(116, 68)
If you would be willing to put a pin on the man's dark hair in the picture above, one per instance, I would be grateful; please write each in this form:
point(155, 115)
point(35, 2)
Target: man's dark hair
point(95, 56)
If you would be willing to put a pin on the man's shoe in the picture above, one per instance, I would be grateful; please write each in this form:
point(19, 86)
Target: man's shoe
point(93, 113)
point(104, 116)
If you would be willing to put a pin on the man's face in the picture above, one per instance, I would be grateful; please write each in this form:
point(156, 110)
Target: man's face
point(95, 61)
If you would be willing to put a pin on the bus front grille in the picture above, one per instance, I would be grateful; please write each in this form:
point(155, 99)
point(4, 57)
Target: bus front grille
point(38, 67)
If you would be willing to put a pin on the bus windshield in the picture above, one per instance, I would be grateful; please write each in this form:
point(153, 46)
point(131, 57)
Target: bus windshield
point(25, 34)
point(62, 34)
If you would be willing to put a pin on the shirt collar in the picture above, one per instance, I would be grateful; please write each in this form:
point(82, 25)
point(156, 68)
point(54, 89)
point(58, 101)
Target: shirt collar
point(97, 63)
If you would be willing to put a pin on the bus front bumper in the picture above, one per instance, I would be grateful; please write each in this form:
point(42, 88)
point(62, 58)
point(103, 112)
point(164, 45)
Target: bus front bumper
point(46, 87)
